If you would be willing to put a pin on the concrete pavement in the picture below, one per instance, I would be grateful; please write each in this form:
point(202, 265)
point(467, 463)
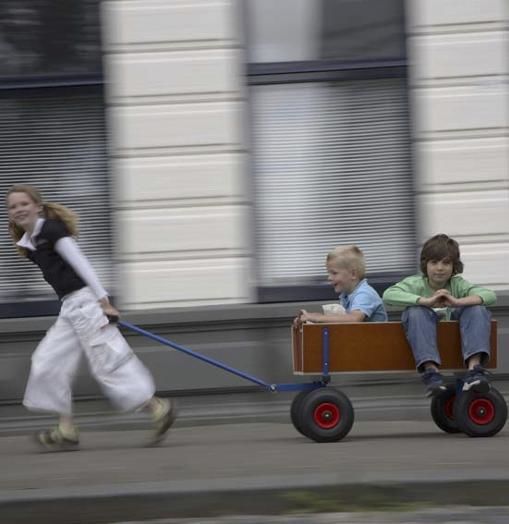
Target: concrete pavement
point(245, 457)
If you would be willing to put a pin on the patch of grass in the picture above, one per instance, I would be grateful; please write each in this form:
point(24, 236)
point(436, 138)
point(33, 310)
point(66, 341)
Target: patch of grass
point(303, 501)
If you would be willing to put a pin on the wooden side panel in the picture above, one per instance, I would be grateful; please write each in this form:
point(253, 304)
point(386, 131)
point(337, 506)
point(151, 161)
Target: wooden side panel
point(297, 350)
point(377, 346)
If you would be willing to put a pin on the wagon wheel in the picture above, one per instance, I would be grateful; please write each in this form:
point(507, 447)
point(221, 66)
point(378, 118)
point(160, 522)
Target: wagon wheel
point(325, 415)
point(480, 414)
point(442, 410)
point(295, 409)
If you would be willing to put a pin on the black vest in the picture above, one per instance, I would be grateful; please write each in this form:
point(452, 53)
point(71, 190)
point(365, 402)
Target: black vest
point(55, 270)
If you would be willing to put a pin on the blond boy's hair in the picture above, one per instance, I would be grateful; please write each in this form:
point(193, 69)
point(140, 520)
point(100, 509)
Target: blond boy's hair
point(348, 257)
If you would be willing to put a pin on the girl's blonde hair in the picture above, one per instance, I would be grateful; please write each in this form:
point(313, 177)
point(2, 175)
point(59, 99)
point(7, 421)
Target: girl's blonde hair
point(49, 210)
point(348, 257)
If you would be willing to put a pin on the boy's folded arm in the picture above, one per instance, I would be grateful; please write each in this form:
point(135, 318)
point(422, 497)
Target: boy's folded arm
point(353, 316)
point(356, 315)
point(488, 296)
point(364, 306)
point(400, 295)
point(466, 289)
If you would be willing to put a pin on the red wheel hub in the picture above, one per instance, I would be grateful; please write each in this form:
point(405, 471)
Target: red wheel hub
point(481, 411)
point(326, 415)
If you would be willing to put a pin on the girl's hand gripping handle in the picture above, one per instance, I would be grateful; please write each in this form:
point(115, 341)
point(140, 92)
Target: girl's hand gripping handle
point(110, 311)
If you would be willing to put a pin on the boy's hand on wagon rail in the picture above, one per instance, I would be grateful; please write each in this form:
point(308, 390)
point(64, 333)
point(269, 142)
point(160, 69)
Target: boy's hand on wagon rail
point(297, 321)
point(302, 317)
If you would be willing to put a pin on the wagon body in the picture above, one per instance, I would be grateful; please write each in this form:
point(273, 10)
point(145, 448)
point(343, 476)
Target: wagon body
point(372, 346)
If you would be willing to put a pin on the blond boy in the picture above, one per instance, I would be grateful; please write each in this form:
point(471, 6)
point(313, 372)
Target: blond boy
point(346, 269)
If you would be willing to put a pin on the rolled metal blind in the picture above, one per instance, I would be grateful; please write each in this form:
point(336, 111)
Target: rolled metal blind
point(332, 166)
point(55, 140)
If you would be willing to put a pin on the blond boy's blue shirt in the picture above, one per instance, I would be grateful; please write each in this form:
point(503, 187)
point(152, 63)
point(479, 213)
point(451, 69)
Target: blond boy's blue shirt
point(364, 298)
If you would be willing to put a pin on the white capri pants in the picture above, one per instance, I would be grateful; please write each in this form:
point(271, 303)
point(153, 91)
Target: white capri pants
point(83, 328)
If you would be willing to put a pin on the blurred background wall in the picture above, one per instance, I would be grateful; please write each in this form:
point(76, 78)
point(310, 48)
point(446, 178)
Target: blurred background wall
point(216, 151)
point(248, 138)
point(177, 106)
point(459, 83)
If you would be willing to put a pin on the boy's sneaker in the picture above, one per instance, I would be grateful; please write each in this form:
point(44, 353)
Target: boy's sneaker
point(434, 382)
point(55, 440)
point(476, 380)
point(163, 417)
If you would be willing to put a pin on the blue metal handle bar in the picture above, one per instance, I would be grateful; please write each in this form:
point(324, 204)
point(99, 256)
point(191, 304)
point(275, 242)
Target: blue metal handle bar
point(194, 354)
point(208, 360)
point(304, 386)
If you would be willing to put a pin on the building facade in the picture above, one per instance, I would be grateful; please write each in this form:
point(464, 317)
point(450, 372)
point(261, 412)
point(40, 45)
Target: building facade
point(227, 145)
point(180, 111)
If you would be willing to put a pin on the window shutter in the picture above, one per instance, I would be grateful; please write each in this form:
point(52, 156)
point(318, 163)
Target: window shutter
point(332, 166)
point(54, 139)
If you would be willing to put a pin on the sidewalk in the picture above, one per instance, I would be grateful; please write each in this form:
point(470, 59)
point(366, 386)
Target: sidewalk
point(249, 465)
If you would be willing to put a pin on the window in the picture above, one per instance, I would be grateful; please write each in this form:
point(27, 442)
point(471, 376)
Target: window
point(52, 134)
point(330, 141)
point(49, 40)
point(311, 30)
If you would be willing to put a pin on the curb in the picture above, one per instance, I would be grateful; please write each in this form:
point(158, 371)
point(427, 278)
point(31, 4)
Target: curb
point(271, 496)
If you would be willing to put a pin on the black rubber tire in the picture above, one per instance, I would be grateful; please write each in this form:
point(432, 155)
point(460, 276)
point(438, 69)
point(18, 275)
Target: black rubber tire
point(480, 414)
point(295, 408)
point(442, 410)
point(325, 415)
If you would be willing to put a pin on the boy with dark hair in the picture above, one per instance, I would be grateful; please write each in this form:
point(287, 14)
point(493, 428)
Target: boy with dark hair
point(441, 291)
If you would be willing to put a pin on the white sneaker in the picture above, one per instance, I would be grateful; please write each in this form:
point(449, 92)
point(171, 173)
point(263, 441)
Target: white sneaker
point(55, 440)
point(163, 418)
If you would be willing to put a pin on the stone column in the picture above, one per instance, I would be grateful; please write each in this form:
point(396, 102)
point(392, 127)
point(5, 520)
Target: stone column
point(459, 81)
point(176, 102)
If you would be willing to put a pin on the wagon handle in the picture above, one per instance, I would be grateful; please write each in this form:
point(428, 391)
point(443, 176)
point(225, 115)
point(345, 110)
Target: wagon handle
point(194, 354)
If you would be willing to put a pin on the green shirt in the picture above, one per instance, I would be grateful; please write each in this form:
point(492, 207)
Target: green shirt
point(408, 291)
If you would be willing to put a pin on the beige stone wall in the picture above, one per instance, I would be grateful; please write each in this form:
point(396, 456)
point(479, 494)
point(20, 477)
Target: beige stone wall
point(459, 80)
point(176, 104)
point(177, 118)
